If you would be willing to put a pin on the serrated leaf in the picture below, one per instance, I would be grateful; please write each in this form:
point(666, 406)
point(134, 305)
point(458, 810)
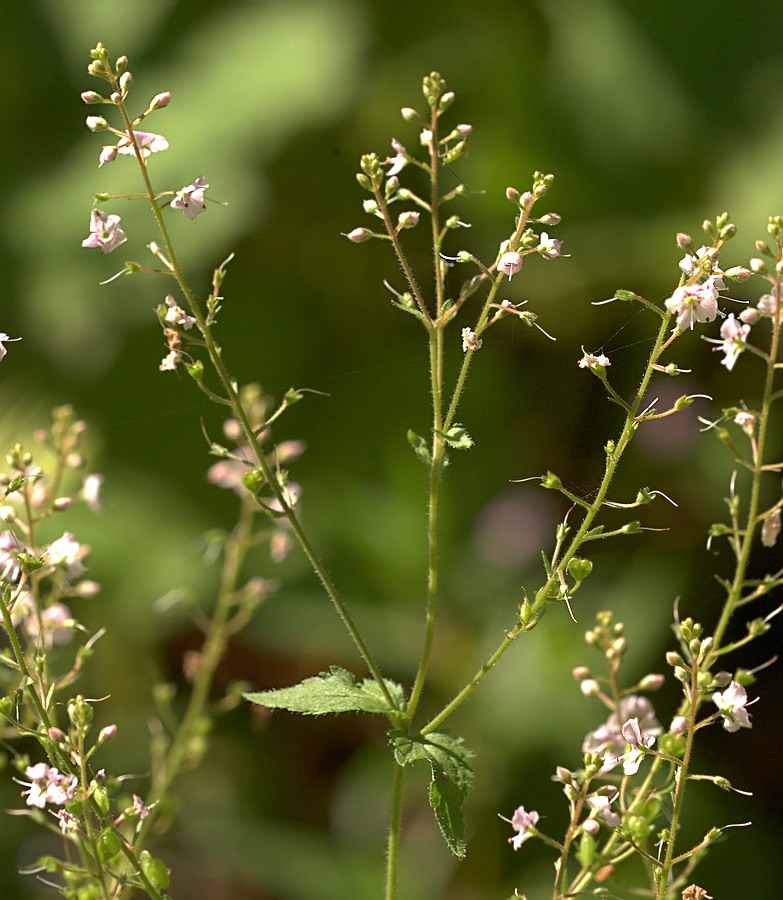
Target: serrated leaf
point(334, 691)
point(458, 438)
point(450, 778)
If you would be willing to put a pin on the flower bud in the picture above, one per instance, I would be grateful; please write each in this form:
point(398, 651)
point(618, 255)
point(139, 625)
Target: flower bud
point(679, 725)
point(749, 316)
point(758, 266)
point(107, 733)
point(60, 504)
point(652, 682)
point(464, 130)
point(92, 97)
point(592, 827)
point(512, 194)
point(550, 219)
point(589, 687)
point(409, 219)
point(684, 241)
point(580, 673)
point(126, 80)
point(121, 65)
point(56, 735)
point(358, 235)
point(96, 123)
point(409, 114)
point(446, 100)
point(159, 101)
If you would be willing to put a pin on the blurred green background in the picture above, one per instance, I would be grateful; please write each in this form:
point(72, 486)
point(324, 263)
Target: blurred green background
point(652, 115)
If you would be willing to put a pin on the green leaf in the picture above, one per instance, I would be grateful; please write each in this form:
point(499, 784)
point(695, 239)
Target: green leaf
point(451, 777)
point(458, 438)
point(420, 447)
point(334, 691)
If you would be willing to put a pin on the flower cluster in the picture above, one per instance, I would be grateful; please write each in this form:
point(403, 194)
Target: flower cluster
point(48, 785)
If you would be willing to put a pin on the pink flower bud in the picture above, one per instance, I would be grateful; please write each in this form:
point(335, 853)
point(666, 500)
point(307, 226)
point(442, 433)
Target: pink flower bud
point(92, 97)
point(60, 504)
point(749, 316)
point(591, 827)
point(512, 194)
point(409, 114)
point(464, 130)
point(159, 101)
point(679, 725)
point(684, 241)
point(107, 733)
point(358, 235)
point(409, 219)
point(96, 123)
point(56, 735)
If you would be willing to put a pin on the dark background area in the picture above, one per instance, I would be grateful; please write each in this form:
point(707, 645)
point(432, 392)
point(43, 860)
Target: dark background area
point(652, 115)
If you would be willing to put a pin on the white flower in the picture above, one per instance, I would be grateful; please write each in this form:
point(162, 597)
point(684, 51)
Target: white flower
point(191, 198)
point(734, 337)
point(175, 315)
point(3, 340)
point(67, 553)
point(169, 361)
point(589, 360)
point(732, 703)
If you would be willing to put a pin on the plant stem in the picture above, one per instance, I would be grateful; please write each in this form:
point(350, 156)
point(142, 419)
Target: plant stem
point(215, 355)
point(544, 596)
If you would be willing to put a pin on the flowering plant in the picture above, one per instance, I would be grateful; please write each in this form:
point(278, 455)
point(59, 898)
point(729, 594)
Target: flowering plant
point(626, 786)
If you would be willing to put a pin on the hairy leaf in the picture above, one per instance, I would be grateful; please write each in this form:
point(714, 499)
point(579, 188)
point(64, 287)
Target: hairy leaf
point(451, 777)
point(334, 691)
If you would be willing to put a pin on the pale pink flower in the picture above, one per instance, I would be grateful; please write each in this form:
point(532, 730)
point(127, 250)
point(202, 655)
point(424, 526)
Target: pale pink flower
point(694, 303)
point(47, 785)
point(146, 141)
point(609, 739)
point(67, 553)
point(524, 823)
point(548, 246)
point(601, 805)
point(510, 263)
point(639, 742)
point(105, 232)
point(768, 304)
point(191, 198)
